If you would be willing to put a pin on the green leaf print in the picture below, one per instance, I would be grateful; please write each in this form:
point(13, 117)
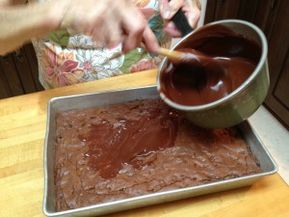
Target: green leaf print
point(133, 57)
point(60, 37)
point(156, 24)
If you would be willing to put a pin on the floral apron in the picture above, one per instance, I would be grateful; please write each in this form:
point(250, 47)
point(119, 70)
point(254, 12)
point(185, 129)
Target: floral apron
point(65, 59)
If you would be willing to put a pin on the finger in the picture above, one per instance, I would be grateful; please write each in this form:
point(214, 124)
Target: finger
point(193, 17)
point(192, 12)
point(80, 19)
point(172, 30)
point(150, 41)
point(98, 36)
point(164, 9)
point(91, 23)
point(174, 6)
point(134, 28)
point(133, 39)
point(115, 34)
point(194, 3)
point(103, 31)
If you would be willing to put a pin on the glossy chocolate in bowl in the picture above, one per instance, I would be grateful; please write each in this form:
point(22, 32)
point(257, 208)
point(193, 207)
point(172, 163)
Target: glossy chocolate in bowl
point(231, 60)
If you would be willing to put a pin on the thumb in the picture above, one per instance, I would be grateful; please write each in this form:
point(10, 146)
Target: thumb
point(169, 8)
point(150, 40)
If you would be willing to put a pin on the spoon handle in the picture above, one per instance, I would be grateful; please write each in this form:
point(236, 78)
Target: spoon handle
point(171, 54)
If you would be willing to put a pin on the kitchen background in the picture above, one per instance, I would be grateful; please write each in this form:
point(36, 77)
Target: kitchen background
point(19, 75)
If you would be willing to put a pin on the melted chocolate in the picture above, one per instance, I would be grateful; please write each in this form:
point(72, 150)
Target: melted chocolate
point(136, 148)
point(114, 140)
point(228, 60)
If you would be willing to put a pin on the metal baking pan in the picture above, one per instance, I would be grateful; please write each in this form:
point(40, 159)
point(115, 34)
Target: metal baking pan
point(65, 103)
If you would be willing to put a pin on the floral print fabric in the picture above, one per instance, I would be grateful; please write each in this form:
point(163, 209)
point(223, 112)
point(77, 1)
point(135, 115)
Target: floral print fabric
point(69, 59)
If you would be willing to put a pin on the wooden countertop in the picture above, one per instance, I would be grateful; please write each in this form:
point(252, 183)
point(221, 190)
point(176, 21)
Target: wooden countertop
point(22, 130)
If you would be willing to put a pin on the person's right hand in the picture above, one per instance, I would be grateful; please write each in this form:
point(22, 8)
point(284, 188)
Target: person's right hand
point(109, 22)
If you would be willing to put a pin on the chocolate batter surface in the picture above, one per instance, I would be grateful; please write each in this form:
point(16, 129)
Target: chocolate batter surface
point(125, 150)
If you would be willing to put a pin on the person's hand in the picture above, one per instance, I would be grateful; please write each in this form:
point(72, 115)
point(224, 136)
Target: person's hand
point(191, 8)
point(110, 22)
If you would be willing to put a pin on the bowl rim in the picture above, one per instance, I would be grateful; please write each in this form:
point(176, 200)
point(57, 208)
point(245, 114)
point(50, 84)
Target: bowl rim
point(244, 85)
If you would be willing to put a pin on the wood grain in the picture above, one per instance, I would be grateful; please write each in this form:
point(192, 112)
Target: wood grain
point(22, 130)
point(19, 72)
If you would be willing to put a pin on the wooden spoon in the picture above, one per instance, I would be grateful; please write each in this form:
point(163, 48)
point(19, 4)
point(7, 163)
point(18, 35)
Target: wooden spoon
point(193, 56)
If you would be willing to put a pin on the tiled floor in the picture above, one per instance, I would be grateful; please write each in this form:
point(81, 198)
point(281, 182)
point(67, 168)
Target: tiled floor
point(275, 137)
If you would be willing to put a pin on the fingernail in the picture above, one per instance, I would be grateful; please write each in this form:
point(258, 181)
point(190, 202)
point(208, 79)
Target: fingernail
point(167, 14)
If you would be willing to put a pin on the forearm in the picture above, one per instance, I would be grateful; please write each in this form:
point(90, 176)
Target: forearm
point(19, 24)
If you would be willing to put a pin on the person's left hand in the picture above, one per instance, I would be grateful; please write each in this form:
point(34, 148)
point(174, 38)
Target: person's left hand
point(191, 8)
